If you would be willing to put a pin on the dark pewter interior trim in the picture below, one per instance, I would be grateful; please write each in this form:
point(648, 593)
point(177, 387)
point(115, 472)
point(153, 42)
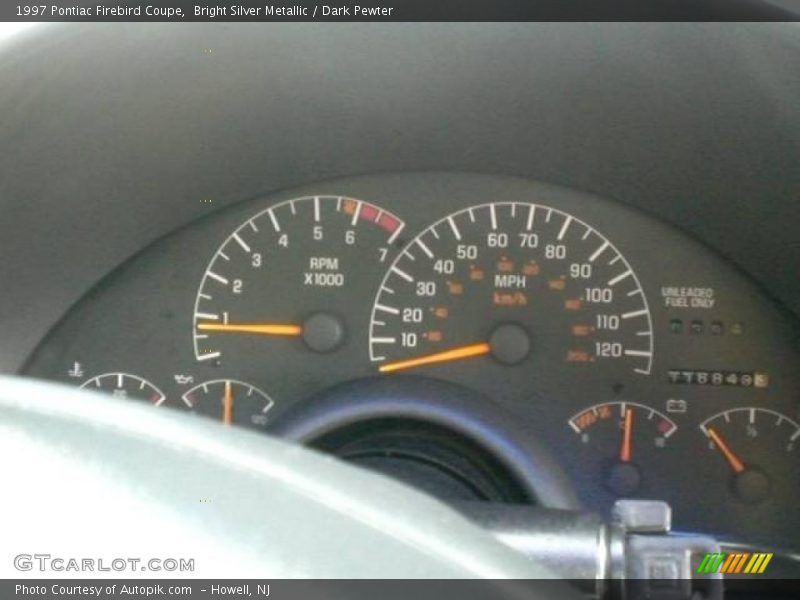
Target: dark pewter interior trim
point(114, 135)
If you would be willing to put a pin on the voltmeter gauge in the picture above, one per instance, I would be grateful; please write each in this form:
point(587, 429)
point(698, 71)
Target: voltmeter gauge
point(621, 442)
point(127, 386)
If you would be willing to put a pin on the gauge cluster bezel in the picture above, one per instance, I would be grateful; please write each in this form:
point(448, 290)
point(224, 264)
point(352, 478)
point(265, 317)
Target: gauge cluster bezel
point(139, 320)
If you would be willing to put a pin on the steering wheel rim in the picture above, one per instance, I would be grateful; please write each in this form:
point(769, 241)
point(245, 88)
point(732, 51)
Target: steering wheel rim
point(273, 509)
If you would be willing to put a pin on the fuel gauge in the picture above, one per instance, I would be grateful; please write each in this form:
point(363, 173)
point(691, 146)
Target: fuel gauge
point(749, 440)
point(230, 401)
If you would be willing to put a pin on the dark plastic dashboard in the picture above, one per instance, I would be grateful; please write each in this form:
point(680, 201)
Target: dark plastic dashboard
point(632, 361)
point(691, 130)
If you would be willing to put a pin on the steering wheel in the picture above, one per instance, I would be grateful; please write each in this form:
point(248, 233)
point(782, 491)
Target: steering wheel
point(91, 476)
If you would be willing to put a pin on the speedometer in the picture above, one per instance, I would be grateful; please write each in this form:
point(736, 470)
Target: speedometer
point(512, 282)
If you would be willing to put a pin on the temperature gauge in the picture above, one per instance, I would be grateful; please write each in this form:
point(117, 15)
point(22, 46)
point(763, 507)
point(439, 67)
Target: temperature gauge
point(125, 385)
point(230, 401)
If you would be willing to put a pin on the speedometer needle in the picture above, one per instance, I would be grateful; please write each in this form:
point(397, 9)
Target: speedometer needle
point(260, 328)
point(227, 404)
point(462, 352)
point(734, 461)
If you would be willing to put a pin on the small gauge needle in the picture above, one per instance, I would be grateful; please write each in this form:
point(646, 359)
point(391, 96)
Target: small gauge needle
point(625, 450)
point(734, 461)
point(261, 328)
point(227, 404)
point(459, 353)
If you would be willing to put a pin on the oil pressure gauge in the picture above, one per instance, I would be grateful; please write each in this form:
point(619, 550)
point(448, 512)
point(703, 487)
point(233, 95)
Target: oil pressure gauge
point(230, 401)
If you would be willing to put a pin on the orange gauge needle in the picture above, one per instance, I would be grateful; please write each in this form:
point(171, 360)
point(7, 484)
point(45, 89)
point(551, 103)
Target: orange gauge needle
point(227, 404)
point(260, 328)
point(459, 353)
point(627, 436)
point(734, 461)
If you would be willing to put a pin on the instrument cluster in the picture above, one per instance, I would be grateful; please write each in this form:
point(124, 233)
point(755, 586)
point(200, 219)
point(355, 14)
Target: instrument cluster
point(646, 365)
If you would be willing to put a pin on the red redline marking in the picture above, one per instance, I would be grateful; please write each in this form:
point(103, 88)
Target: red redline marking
point(388, 223)
point(368, 212)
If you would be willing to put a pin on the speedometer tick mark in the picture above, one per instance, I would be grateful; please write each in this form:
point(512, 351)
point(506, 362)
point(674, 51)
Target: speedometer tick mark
point(389, 309)
point(456, 232)
point(402, 274)
point(637, 353)
point(425, 249)
point(598, 252)
point(619, 277)
point(564, 227)
point(531, 215)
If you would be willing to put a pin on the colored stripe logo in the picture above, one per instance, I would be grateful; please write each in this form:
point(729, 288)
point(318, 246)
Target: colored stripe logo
point(739, 562)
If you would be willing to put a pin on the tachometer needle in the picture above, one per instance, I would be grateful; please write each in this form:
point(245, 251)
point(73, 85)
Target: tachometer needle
point(625, 450)
point(734, 461)
point(259, 328)
point(452, 354)
point(227, 404)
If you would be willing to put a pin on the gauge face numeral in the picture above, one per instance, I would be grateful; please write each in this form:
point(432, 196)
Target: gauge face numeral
point(285, 275)
point(526, 279)
point(230, 401)
point(126, 386)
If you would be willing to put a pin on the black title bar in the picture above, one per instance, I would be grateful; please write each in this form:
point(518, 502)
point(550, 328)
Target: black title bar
point(396, 10)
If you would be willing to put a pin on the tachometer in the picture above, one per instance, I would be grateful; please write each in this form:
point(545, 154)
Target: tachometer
point(511, 281)
point(288, 273)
